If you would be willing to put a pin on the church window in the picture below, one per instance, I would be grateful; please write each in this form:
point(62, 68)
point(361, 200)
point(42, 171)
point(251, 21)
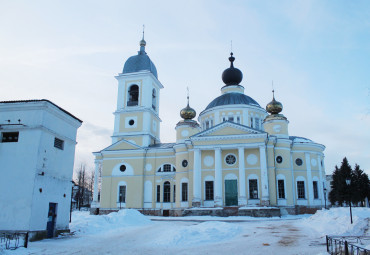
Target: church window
point(207, 124)
point(122, 194)
point(184, 194)
point(281, 189)
point(238, 120)
point(315, 190)
point(131, 122)
point(251, 122)
point(256, 123)
point(223, 119)
point(209, 190)
point(299, 162)
point(253, 189)
point(122, 168)
point(133, 95)
point(211, 123)
point(158, 193)
point(58, 143)
point(174, 193)
point(279, 159)
point(300, 190)
point(154, 100)
point(230, 159)
point(231, 118)
point(184, 163)
point(10, 137)
point(166, 192)
point(167, 168)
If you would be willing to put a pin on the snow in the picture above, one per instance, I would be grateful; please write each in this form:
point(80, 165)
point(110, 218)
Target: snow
point(129, 232)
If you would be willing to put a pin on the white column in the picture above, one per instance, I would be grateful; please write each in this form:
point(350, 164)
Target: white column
point(309, 178)
point(264, 178)
point(293, 179)
point(95, 202)
point(242, 193)
point(321, 184)
point(218, 178)
point(197, 178)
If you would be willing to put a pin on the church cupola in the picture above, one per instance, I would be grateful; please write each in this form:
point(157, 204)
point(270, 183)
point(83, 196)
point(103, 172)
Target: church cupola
point(232, 77)
point(276, 123)
point(187, 127)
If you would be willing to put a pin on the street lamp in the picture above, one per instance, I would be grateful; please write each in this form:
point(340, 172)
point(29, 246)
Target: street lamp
point(348, 182)
point(325, 196)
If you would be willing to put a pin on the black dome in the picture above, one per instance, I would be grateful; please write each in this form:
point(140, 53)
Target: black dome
point(232, 98)
point(232, 75)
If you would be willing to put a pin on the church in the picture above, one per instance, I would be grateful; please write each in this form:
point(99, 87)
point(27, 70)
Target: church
point(238, 156)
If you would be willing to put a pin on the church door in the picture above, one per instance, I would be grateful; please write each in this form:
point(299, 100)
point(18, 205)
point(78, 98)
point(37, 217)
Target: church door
point(231, 192)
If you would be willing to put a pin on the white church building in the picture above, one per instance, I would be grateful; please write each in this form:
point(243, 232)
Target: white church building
point(237, 156)
point(37, 149)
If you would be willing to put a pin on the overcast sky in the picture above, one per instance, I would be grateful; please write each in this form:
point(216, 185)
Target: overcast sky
point(316, 52)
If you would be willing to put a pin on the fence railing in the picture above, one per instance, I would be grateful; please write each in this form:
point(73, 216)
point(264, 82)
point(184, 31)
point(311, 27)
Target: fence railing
point(13, 240)
point(347, 245)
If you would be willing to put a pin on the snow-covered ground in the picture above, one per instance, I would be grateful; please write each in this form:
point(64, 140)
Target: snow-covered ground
point(129, 232)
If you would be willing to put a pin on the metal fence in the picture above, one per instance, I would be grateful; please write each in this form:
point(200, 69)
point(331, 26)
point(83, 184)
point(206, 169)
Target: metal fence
point(13, 240)
point(347, 245)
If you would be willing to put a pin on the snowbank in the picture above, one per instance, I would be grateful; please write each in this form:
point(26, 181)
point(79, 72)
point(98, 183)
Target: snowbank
point(336, 221)
point(206, 232)
point(83, 222)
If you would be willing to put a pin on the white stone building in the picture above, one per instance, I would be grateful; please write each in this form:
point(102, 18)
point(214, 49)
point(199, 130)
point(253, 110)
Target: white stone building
point(37, 150)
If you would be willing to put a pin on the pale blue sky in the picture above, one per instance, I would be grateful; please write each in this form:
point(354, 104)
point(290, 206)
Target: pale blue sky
point(316, 52)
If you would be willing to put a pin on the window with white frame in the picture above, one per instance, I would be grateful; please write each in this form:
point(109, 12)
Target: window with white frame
point(281, 189)
point(167, 192)
point(238, 120)
point(315, 190)
point(133, 95)
point(256, 123)
point(209, 190)
point(122, 194)
point(158, 193)
point(154, 99)
point(253, 189)
point(301, 190)
point(252, 123)
point(167, 168)
point(184, 191)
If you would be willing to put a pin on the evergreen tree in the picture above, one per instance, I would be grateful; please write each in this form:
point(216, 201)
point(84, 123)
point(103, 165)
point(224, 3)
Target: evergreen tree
point(356, 192)
point(340, 192)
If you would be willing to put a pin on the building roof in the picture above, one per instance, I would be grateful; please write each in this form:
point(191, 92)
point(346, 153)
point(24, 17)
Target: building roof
point(162, 145)
point(298, 139)
point(232, 98)
point(40, 100)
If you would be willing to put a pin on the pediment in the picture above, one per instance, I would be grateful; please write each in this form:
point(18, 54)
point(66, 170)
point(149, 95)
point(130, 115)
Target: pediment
point(122, 145)
point(228, 129)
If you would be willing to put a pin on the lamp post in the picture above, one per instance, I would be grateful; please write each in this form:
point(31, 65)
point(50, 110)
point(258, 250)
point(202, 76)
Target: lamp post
point(325, 196)
point(348, 182)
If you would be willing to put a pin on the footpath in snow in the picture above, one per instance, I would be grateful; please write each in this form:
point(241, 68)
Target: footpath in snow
point(129, 232)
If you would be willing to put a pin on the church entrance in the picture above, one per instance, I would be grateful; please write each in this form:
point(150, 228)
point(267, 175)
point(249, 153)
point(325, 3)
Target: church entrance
point(231, 192)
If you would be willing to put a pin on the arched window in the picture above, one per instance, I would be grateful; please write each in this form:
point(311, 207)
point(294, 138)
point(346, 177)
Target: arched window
point(166, 191)
point(167, 168)
point(133, 96)
point(154, 99)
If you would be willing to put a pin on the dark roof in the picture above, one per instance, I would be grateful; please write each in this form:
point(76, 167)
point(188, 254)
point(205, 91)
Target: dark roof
point(162, 145)
point(40, 100)
point(138, 63)
point(232, 98)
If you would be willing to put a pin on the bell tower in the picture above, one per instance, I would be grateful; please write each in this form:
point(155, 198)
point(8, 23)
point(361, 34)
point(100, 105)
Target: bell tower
point(137, 114)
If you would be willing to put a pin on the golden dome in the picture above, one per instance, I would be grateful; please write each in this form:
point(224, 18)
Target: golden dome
point(188, 113)
point(274, 107)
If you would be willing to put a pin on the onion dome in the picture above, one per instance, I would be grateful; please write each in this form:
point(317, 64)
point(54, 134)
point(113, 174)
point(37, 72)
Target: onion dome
point(274, 107)
point(232, 75)
point(188, 113)
point(140, 62)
